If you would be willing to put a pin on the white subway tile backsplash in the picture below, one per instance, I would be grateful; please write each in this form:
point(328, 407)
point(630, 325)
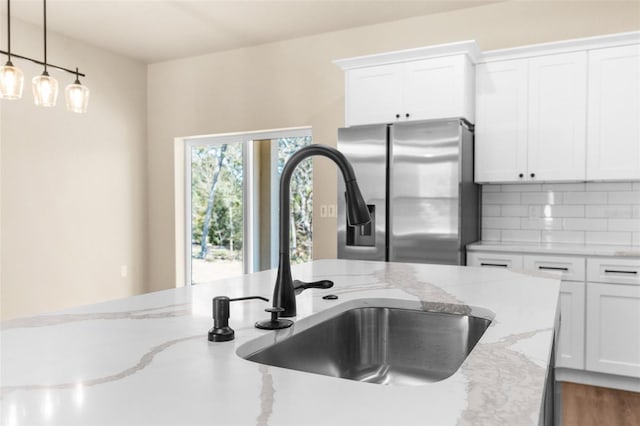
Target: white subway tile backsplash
point(520, 235)
point(629, 225)
point(585, 198)
point(609, 186)
point(563, 187)
point(615, 238)
point(611, 211)
point(491, 235)
point(571, 237)
point(490, 210)
point(584, 224)
point(541, 223)
point(624, 197)
point(501, 198)
point(522, 187)
point(501, 222)
point(515, 211)
point(548, 197)
point(579, 213)
point(563, 211)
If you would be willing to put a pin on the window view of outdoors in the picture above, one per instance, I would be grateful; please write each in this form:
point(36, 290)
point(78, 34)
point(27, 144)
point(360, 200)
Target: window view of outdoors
point(217, 198)
point(216, 211)
point(301, 198)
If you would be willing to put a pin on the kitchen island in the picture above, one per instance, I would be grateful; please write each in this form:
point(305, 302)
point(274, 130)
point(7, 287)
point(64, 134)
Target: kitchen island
point(146, 359)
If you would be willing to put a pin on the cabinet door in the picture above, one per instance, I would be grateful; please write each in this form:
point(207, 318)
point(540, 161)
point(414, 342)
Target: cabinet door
point(501, 121)
point(557, 111)
point(613, 329)
point(437, 88)
point(613, 132)
point(374, 94)
point(494, 260)
point(570, 352)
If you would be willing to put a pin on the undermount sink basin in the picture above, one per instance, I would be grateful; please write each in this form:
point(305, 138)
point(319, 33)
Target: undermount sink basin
point(384, 345)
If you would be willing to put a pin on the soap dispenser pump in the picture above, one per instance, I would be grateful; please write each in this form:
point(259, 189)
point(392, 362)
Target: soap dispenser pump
point(221, 332)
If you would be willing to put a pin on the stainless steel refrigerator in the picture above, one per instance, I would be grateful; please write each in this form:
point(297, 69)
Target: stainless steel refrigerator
point(417, 180)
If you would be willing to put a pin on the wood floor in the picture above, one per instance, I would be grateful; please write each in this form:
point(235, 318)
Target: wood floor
point(589, 405)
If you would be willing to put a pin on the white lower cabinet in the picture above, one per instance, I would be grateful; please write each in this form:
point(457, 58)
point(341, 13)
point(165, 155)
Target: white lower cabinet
point(599, 308)
point(613, 324)
point(570, 350)
point(613, 316)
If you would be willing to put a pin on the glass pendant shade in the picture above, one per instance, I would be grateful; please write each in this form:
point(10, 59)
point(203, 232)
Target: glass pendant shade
point(11, 82)
point(45, 90)
point(77, 97)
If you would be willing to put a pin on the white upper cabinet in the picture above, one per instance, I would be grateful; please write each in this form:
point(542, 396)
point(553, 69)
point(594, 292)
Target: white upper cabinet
point(373, 94)
point(413, 90)
point(613, 130)
point(439, 88)
point(557, 105)
point(426, 83)
point(501, 121)
point(531, 119)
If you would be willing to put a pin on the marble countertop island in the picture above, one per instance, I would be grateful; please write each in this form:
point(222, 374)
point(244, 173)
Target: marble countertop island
point(145, 360)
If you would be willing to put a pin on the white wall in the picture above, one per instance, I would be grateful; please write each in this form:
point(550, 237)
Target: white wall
point(293, 83)
point(73, 206)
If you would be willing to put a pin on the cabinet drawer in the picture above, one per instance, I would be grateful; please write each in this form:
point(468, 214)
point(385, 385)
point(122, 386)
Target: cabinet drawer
point(571, 268)
point(613, 270)
point(494, 260)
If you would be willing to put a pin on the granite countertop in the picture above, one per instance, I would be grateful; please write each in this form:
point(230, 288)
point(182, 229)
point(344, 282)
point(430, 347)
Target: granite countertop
point(556, 248)
point(146, 359)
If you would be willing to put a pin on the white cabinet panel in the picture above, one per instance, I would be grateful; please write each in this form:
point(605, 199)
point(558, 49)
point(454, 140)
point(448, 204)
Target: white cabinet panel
point(613, 132)
point(557, 127)
point(424, 89)
point(570, 351)
point(438, 88)
point(501, 121)
point(530, 119)
point(613, 324)
point(494, 260)
point(373, 94)
point(571, 268)
point(613, 270)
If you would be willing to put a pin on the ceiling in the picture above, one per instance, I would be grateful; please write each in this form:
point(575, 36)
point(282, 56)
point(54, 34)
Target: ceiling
point(158, 30)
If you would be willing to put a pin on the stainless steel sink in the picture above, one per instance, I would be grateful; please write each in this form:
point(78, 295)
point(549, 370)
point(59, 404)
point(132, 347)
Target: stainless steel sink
point(379, 345)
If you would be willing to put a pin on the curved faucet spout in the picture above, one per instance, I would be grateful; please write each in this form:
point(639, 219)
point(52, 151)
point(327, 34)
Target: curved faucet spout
point(358, 214)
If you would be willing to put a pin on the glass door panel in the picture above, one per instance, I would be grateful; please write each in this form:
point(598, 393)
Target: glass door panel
point(217, 197)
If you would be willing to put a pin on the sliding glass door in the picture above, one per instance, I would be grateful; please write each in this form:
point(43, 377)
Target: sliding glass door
point(217, 206)
point(232, 189)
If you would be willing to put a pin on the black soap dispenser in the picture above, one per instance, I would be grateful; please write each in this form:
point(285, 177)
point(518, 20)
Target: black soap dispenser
point(221, 332)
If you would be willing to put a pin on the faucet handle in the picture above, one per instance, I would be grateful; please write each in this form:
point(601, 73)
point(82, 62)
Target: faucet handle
point(274, 323)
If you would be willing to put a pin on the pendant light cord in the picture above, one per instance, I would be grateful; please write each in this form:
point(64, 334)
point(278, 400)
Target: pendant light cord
point(9, 30)
point(35, 61)
point(45, 35)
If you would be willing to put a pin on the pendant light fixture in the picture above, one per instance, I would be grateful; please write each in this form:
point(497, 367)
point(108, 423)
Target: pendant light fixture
point(11, 78)
point(77, 96)
point(44, 86)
